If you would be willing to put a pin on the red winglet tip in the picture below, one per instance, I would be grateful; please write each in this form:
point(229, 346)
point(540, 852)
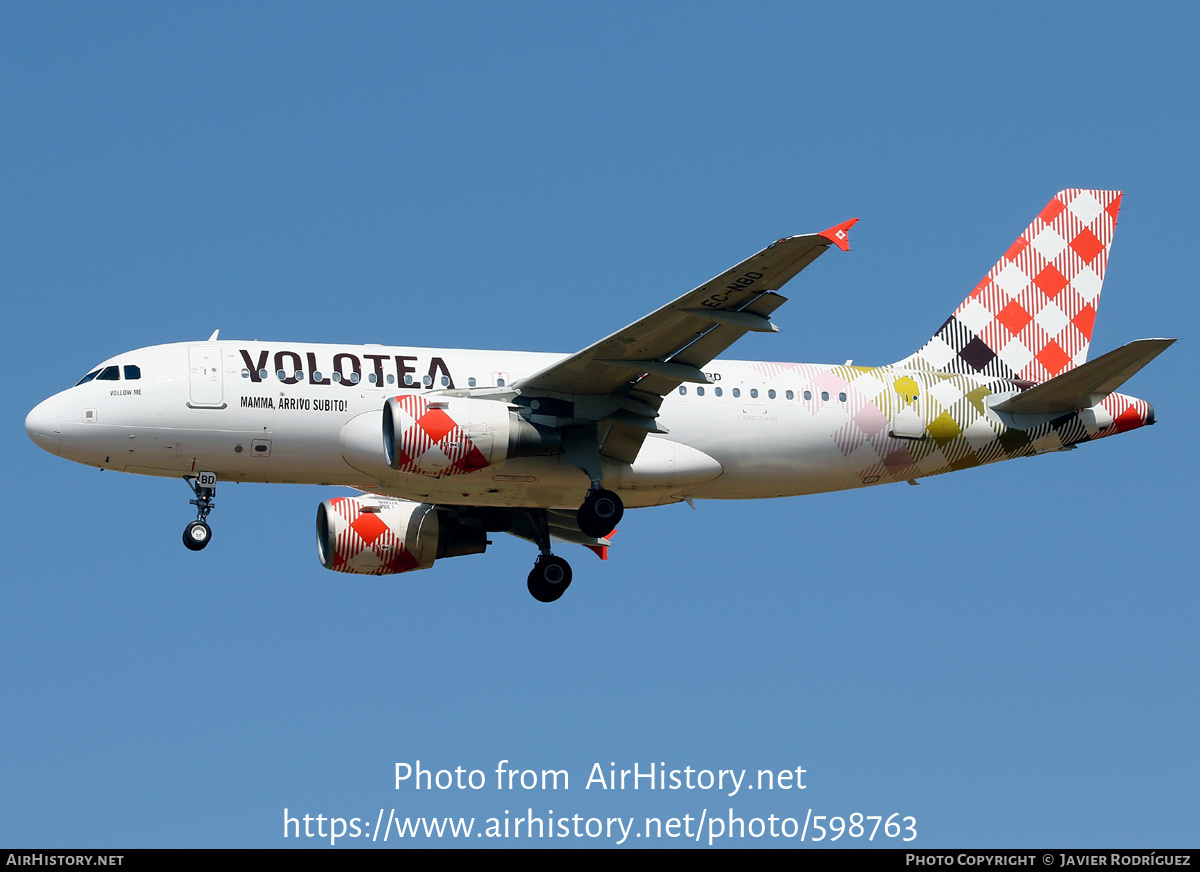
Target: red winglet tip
point(839, 234)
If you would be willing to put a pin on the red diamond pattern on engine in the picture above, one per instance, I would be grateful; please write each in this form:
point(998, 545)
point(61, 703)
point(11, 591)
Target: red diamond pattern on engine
point(369, 527)
point(430, 442)
point(366, 546)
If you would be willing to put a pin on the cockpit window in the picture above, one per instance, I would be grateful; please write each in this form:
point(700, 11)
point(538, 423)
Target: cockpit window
point(132, 372)
point(87, 378)
point(109, 373)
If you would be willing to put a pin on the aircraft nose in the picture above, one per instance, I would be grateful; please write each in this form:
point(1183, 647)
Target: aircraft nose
point(44, 425)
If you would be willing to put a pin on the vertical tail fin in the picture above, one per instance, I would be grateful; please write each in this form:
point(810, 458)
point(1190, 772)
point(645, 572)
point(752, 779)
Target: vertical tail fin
point(1031, 317)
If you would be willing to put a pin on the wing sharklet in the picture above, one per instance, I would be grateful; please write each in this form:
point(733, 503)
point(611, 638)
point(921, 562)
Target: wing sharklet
point(839, 234)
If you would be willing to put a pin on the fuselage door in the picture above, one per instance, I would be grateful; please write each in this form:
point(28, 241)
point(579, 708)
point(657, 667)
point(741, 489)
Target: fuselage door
point(907, 420)
point(204, 368)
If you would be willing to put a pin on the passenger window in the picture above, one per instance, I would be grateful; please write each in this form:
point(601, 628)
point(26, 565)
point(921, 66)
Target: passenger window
point(109, 373)
point(134, 372)
point(842, 397)
point(790, 395)
point(245, 373)
point(717, 391)
point(407, 380)
point(699, 392)
point(87, 378)
point(262, 373)
point(336, 376)
point(737, 392)
point(445, 381)
point(471, 382)
point(754, 393)
point(391, 379)
point(808, 395)
point(355, 378)
point(499, 382)
point(282, 375)
point(682, 390)
point(824, 396)
point(371, 378)
point(427, 380)
point(771, 394)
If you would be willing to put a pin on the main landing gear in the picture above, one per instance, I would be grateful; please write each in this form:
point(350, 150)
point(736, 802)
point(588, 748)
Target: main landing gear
point(549, 578)
point(600, 513)
point(602, 509)
point(551, 575)
point(597, 517)
point(198, 534)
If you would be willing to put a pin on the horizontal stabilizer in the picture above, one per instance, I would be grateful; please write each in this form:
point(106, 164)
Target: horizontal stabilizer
point(1087, 384)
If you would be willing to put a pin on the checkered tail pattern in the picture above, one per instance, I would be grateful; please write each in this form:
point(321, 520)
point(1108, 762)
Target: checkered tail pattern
point(1031, 317)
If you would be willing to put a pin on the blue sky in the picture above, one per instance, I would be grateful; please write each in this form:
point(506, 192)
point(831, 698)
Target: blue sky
point(1006, 654)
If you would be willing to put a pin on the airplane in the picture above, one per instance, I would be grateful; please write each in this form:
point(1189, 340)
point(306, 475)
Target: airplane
point(446, 446)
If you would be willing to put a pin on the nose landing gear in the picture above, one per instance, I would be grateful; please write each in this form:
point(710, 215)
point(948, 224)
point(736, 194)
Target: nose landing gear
point(198, 534)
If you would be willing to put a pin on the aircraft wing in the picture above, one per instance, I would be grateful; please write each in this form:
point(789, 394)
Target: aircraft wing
point(639, 365)
point(668, 346)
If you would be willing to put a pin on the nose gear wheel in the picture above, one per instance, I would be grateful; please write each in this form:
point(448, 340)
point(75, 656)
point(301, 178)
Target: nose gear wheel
point(197, 534)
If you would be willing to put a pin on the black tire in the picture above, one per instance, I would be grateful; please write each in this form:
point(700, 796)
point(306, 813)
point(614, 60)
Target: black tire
point(600, 513)
point(196, 535)
point(549, 578)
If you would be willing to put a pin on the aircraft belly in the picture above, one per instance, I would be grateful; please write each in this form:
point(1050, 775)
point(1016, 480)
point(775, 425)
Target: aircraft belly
point(662, 464)
point(546, 482)
point(521, 481)
point(765, 450)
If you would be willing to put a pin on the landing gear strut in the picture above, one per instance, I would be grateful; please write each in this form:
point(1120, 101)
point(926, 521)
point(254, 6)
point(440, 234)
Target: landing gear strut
point(198, 534)
point(551, 575)
point(602, 509)
point(600, 513)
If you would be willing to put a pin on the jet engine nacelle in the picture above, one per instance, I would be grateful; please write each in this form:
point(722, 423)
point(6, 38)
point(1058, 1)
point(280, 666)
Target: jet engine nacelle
point(457, 435)
point(381, 536)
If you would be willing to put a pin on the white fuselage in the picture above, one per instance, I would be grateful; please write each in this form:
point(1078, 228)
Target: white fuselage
point(239, 410)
